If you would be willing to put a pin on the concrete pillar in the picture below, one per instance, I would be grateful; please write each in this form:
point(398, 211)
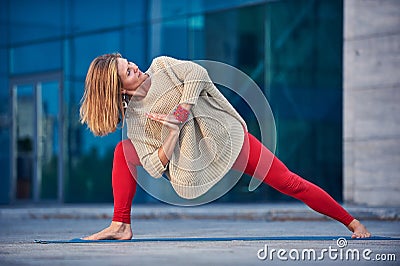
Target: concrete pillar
point(371, 115)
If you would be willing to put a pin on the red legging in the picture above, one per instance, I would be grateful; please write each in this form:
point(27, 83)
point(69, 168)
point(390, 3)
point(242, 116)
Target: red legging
point(277, 176)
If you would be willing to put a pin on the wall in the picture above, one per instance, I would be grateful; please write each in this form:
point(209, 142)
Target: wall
point(372, 102)
point(291, 48)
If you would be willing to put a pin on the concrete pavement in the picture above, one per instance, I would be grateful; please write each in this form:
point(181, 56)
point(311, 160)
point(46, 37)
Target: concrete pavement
point(20, 225)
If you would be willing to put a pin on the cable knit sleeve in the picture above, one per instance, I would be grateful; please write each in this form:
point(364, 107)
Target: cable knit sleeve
point(152, 164)
point(194, 77)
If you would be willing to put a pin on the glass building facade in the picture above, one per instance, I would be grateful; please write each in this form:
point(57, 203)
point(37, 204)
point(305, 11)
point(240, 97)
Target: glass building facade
point(291, 48)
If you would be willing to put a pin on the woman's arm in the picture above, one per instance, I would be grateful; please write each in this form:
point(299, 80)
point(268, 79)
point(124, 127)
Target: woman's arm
point(172, 123)
point(166, 150)
point(193, 76)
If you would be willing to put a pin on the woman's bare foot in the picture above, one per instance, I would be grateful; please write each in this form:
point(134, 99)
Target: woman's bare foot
point(117, 231)
point(358, 229)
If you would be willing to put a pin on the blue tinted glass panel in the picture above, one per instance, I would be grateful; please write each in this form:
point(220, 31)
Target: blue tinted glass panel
point(4, 148)
point(4, 26)
point(4, 94)
point(96, 14)
point(169, 38)
point(134, 46)
point(168, 8)
point(36, 58)
point(214, 5)
point(134, 11)
point(4, 139)
point(48, 119)
point(196, 37)
point(72, 98)
point(32, 20)
point(3, 62)
point(305, 63)
point(67, 57)
point(88, 47)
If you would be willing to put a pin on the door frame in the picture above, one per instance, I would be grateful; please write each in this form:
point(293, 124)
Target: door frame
point(35, 80)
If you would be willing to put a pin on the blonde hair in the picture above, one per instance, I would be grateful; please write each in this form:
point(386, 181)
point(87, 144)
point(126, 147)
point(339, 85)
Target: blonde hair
point(101, 104)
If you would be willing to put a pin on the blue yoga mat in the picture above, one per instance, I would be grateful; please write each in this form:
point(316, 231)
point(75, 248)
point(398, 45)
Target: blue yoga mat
point(216, 239)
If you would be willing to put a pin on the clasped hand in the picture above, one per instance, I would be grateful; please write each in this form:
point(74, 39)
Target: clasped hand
point(168, 120)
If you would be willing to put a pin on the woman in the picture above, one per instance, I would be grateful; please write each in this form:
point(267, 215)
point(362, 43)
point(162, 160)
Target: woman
point(180, 125)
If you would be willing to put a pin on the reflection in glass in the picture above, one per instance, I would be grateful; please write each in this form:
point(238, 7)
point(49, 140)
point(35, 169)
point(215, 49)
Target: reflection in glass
point(292, 50)
point(25, 111)
point(36, 140)
point(48, 146)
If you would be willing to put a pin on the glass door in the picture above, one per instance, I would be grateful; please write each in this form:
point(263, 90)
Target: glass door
point(37, 170)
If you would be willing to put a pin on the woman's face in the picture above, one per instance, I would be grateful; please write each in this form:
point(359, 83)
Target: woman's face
point(131, 78)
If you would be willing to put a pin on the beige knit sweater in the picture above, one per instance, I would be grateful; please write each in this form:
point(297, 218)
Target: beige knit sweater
point(209, 142)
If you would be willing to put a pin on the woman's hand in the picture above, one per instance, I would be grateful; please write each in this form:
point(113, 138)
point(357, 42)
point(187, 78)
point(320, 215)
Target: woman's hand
point(169, 120)
point(173, 124)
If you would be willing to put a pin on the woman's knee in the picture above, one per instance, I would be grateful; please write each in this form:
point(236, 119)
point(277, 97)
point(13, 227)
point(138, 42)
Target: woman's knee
point(119, 149)
point(125, 149)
